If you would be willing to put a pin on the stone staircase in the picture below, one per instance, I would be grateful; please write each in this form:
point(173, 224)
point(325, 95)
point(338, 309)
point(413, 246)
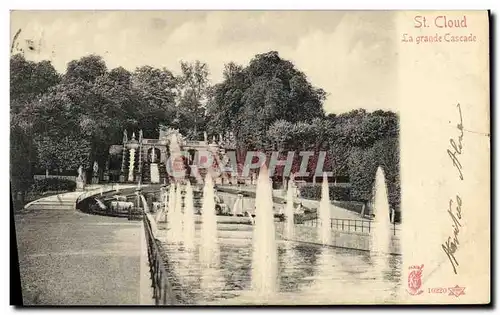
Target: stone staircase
point(146, 172)
point(155, 174)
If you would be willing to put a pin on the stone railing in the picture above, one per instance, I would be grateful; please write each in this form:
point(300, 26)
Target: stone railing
point(154, 141)
point(96, 190)
point(195, 143)
point(310, 184)
point(42, 177)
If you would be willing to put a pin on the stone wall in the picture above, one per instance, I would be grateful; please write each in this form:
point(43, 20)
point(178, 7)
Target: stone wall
point(351, 240)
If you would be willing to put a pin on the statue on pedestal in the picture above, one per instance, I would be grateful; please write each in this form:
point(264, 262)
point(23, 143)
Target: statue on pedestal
point(95, 175)
point(80, 181)
point(205, 136)
point(80, 173)
point(125, 138)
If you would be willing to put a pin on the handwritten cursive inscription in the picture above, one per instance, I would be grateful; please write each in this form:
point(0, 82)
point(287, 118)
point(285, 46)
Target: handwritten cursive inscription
point(456, 148)
point(451, 245)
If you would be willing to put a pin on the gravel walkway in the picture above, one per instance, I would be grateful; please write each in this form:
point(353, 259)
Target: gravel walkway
point(70, 258)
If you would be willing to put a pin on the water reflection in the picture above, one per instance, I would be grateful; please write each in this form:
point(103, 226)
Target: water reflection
point(308, 274)
point(289, 267)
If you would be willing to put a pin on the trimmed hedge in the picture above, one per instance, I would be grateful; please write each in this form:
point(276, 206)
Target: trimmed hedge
point(355, 206)
point(314, 192)
point(342, 198)
point(53, 184)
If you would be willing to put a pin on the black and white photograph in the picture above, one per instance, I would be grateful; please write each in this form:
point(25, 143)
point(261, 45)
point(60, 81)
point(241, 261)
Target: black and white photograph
point(214, 158)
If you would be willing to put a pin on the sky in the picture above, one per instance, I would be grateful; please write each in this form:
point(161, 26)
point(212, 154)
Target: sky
point(350, 54)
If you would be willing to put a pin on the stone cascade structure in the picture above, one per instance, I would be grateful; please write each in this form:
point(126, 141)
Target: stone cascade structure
point(155, 174)
point(139, 159)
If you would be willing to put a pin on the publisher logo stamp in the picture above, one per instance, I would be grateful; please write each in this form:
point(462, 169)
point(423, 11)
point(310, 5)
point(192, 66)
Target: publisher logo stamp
point(415, 280)
point(456, 291)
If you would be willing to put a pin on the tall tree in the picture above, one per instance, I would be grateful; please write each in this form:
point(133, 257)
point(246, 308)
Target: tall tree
point(155, 91)
point(87, 69)
point(251, 99)
point(29, 80)
point(22, 158)
point(225, 102)
point(83, 106)
point(193, 91)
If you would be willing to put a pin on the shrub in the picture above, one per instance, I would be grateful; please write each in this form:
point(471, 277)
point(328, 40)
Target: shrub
point(355, 206)
point(314, 192)
point(363, 164)
point(53, 184)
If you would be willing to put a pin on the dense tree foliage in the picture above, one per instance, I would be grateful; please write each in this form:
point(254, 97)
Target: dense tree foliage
point(28, 83)
point(29, 80)
point(152, 99)
point(270, 105)
point(62, 153)
point(252, 98)
point(62, 121)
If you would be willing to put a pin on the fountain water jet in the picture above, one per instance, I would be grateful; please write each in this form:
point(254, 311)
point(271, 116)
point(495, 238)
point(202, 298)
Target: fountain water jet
point(171, 199)
point(289, 211)
point(264, 258)
point(189, 228)
point(172, 216)
point(178, 212)
point(237, 206)
point(324, 212)
point(209, 248)
point(381, 232)
point(178, 199)
point(161, 212)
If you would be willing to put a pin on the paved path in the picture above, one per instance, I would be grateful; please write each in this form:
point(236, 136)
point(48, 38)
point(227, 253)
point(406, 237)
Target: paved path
point(70, 258)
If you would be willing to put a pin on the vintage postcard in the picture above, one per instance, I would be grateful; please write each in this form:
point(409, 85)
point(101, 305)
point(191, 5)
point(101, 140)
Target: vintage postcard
point(250, 157)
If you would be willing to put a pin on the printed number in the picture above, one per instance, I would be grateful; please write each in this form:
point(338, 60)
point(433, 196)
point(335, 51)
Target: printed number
point(437, 290)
